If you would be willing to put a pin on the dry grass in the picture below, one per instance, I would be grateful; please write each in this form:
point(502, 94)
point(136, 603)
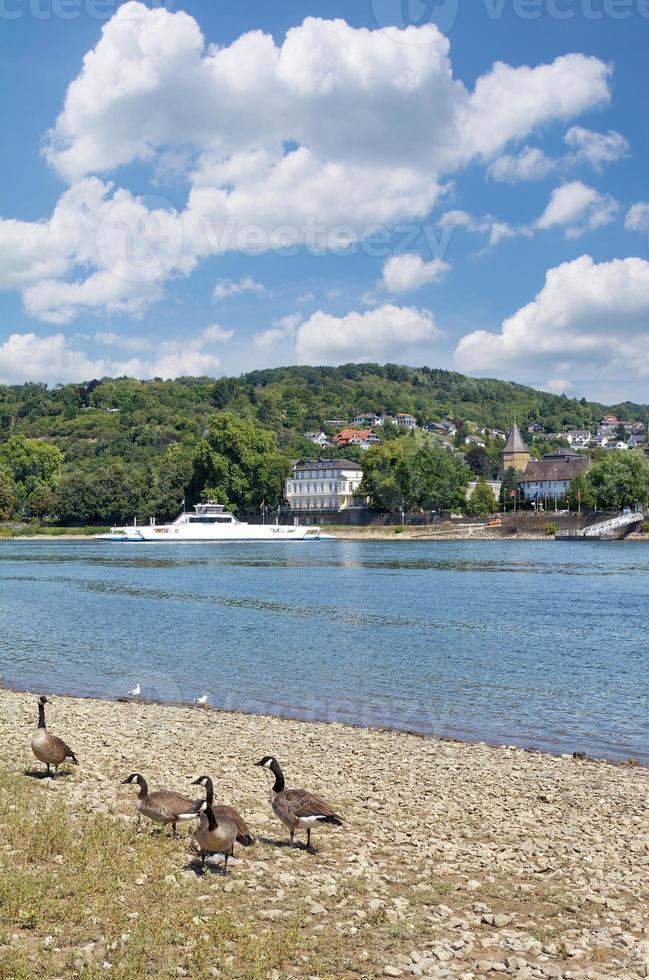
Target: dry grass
point(67, 882)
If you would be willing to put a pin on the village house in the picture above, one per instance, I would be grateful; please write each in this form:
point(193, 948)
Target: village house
point(324, 485)
point(475, 441)
point(577, 438)
point(406, 420)
point(363, 438)
point(368, 420)
point(320, 438)
point(550, 478)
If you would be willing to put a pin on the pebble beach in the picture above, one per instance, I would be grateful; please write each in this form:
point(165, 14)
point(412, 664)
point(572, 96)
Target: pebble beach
point(455, 860)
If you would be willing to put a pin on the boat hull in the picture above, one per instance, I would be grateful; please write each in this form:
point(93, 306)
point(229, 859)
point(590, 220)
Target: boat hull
point(250, 534)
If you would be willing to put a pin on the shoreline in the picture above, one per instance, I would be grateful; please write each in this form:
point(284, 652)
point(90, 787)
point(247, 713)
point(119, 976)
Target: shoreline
point(454, 860)
point(357, 534)
point(209, 709)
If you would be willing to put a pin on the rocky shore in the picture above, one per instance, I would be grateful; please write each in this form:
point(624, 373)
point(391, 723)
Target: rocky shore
point(455, 860)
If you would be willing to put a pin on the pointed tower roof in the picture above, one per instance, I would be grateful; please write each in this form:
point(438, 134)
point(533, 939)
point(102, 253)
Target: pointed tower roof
point(515, 442)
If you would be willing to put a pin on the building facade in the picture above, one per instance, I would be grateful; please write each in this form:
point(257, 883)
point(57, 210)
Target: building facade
point(550, 478)
point(324, 485)
point(515, 455)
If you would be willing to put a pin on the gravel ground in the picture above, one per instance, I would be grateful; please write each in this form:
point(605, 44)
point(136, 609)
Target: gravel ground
point(455, 860)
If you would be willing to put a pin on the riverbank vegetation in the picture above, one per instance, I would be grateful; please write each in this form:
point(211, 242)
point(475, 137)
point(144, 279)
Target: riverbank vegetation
point(109, 450)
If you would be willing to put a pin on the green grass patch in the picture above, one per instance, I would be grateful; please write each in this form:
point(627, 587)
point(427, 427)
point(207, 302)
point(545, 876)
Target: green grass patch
point(30, 530)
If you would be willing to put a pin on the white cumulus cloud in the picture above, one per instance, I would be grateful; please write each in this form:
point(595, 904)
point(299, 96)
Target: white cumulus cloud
point(405, 273)
point(283, 144)
point(577, 208)
point(377, 335)
point(225, 288)
point(530, 163)
point(588, 316)
point(596, 149)
point(637, 217)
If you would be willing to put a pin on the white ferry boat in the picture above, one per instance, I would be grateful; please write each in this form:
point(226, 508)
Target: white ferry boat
point(212, 522)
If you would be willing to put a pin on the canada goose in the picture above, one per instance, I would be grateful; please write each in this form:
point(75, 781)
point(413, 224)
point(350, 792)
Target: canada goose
point(296, 808)
point(162, 807)
point(135, 693)
point(215, 836)
point(244, 837)
point(48, 748)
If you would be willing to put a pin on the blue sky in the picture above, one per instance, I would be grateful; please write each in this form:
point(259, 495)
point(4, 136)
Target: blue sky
point(225, 187)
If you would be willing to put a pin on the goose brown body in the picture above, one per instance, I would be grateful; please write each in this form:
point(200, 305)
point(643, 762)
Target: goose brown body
point(244, 837)
point(297, 809)
point(48, 748)
point(163, 806)
point(215, 835)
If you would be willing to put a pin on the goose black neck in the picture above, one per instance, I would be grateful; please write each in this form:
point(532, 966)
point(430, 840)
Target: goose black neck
point(144, 788)
point(279, 776)
point(209, 791)
point(211, 819)
point(41, 715)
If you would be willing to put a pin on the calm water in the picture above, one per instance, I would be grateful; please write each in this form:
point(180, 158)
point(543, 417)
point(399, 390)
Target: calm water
point(539, 643)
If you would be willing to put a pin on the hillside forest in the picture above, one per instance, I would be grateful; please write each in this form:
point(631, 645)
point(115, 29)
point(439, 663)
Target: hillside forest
point(113, 449)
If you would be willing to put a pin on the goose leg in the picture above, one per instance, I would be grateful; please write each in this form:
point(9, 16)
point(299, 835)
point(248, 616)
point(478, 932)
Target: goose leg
point(173, 827)
point(292, 838)
point(225, 866)
point(308, 839)
point(138, 821)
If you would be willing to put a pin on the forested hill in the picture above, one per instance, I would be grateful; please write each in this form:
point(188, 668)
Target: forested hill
point(288, 400)
point(136, 444)
point(136, 419)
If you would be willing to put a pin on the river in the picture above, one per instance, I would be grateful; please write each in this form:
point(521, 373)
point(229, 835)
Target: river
point(538, 644)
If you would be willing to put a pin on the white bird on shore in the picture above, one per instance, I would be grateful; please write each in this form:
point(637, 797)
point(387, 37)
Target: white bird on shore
point(202, 700)
point(135, 693)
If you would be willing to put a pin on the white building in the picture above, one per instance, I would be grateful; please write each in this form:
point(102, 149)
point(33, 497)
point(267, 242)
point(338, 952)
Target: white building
point(406, 420)
point(317, 485)
point(368, 420)
point(578, 438)
point(320, 438)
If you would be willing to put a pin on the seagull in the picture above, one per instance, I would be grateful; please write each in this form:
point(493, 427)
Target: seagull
point(202, 700)
point(135, 693)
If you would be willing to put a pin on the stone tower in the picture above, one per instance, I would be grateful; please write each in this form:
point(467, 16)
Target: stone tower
point(515, 455)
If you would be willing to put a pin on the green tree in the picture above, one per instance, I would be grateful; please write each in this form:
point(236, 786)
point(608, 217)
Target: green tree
point(7, 495)
point(620, 479)
point(443, 479)
point(388, 475)
point(41, 502)
point(480, 462)
point(398, 473)
point(580, 495)
point(242, 462)
point(31, 462)
point(482, 500)
point(509, 486)
point(75, 503)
